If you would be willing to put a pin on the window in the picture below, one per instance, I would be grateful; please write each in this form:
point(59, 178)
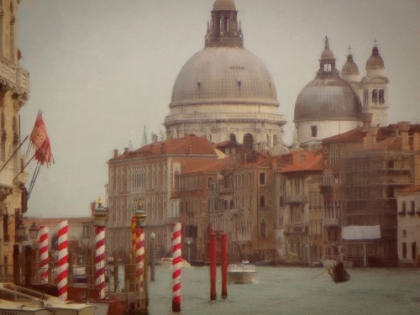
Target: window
point(176, 181)
point(263, 228)
point(262, 201)
point(404, 233)
point(314, 131)
point(404, 250)
point(208, 181)
point(375, 96)
point(262, 178)
point(381, 96)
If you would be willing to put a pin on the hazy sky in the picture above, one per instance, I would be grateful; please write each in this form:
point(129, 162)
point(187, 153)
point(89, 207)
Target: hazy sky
point(102, 69)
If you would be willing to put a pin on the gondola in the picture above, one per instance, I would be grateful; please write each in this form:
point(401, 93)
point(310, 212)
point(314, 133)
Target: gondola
point(339, 274)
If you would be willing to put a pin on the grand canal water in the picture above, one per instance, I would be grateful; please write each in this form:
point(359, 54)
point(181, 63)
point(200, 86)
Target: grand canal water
point(292, 290)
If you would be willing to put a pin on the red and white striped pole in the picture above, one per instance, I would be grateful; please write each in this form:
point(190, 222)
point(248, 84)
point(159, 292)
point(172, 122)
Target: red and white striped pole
point(100, 260)
point(43, 254)
point(100, 218)
point(62, 260)
point(140, 257)
point(176, 265)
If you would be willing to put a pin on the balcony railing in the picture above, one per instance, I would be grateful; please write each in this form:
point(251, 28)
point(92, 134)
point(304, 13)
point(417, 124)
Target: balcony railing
point(222, 116)
point(330, 222)
point(295, 199)
point(17, 77)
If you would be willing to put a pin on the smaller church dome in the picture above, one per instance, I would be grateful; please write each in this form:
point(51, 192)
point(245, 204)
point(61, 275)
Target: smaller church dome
point(375, 61)
point(224, 5)
point(350, 66)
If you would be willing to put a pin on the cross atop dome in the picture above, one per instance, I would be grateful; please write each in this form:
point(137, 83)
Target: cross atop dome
point(224, 29)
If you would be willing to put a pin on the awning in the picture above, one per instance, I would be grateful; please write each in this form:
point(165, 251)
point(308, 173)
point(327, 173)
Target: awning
point(361, 232)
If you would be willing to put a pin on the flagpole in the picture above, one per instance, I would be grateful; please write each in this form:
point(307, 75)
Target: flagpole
point(13, 153)
point(23, 168)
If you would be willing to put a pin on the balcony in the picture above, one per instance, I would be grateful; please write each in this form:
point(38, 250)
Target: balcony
point(295, 199)
point(17, 78)
point(295, 229)
point(330, 222)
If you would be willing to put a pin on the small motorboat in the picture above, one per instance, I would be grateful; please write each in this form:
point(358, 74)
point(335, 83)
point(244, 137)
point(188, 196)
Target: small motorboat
point(7, 307)
point(167, 262)
point(241, 273)
point(17, 295)
point(263, 263)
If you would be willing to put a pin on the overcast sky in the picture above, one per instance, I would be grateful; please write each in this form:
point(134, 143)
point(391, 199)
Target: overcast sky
point(102, 69)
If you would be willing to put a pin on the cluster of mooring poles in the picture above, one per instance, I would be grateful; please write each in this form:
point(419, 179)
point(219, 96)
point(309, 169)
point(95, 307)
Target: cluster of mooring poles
point(213, 263)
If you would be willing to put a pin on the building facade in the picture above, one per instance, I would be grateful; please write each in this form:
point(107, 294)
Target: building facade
point(14, 90)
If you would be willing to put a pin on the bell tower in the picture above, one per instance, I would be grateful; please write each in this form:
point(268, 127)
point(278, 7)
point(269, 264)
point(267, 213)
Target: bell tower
point(375, 89)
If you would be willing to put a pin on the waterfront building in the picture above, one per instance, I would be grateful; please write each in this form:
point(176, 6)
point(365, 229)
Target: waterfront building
point(386, 160)
point(300, 207)
point(14, 92)
point(224, 92)
point(152, 173)
point(408, 235)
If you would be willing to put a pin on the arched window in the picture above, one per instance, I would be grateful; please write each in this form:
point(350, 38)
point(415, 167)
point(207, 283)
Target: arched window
point(381, 96)
point(248, 141)
point(232, 137)
point(263, 228)
point(208, 181)
point(176, 180)
point(262, 201)
point(375, 96)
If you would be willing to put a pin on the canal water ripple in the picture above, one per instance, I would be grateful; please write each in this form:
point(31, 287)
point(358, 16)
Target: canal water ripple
point(292, 291)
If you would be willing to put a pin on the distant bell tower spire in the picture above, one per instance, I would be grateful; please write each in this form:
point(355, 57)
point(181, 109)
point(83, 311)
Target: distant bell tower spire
point(224, 29)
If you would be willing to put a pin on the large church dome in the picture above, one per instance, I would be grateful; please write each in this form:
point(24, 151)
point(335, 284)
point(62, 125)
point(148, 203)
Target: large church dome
point(225, 92)
point(224, 75)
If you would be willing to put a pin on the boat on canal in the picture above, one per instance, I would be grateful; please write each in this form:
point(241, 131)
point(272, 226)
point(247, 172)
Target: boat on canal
point(11, 308)
point(242, 273)
point(17, 296)
point(329, 261)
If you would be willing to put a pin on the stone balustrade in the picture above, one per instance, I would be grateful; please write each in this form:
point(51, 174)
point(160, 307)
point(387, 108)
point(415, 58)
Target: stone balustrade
point(224, 116)
point(16, 77)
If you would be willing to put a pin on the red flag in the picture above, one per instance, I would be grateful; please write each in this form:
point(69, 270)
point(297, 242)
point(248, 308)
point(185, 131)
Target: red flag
point(40, 140)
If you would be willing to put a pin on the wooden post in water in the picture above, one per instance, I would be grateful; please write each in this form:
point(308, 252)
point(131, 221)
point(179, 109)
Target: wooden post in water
point(212, 266)
point(224, 265)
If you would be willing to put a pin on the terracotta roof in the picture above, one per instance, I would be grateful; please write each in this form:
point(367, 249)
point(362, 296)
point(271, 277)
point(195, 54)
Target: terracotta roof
point(189, 144)
point(313, 162)
point(202, 166)
point(356, 134)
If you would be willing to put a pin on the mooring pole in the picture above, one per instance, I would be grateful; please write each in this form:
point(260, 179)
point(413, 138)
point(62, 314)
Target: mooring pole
point(224, 265)
point(212, 266)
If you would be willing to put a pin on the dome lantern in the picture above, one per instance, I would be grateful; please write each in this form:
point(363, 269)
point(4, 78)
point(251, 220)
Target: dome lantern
point(327, 61)
point(224, 29)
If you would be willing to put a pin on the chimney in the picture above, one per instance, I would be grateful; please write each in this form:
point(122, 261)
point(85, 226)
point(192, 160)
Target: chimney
point(372, 133)
point(115, 153)
point(162, 147)
point(416, 140)
point(126, 150)
point(403, 127)
point(367, 120)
